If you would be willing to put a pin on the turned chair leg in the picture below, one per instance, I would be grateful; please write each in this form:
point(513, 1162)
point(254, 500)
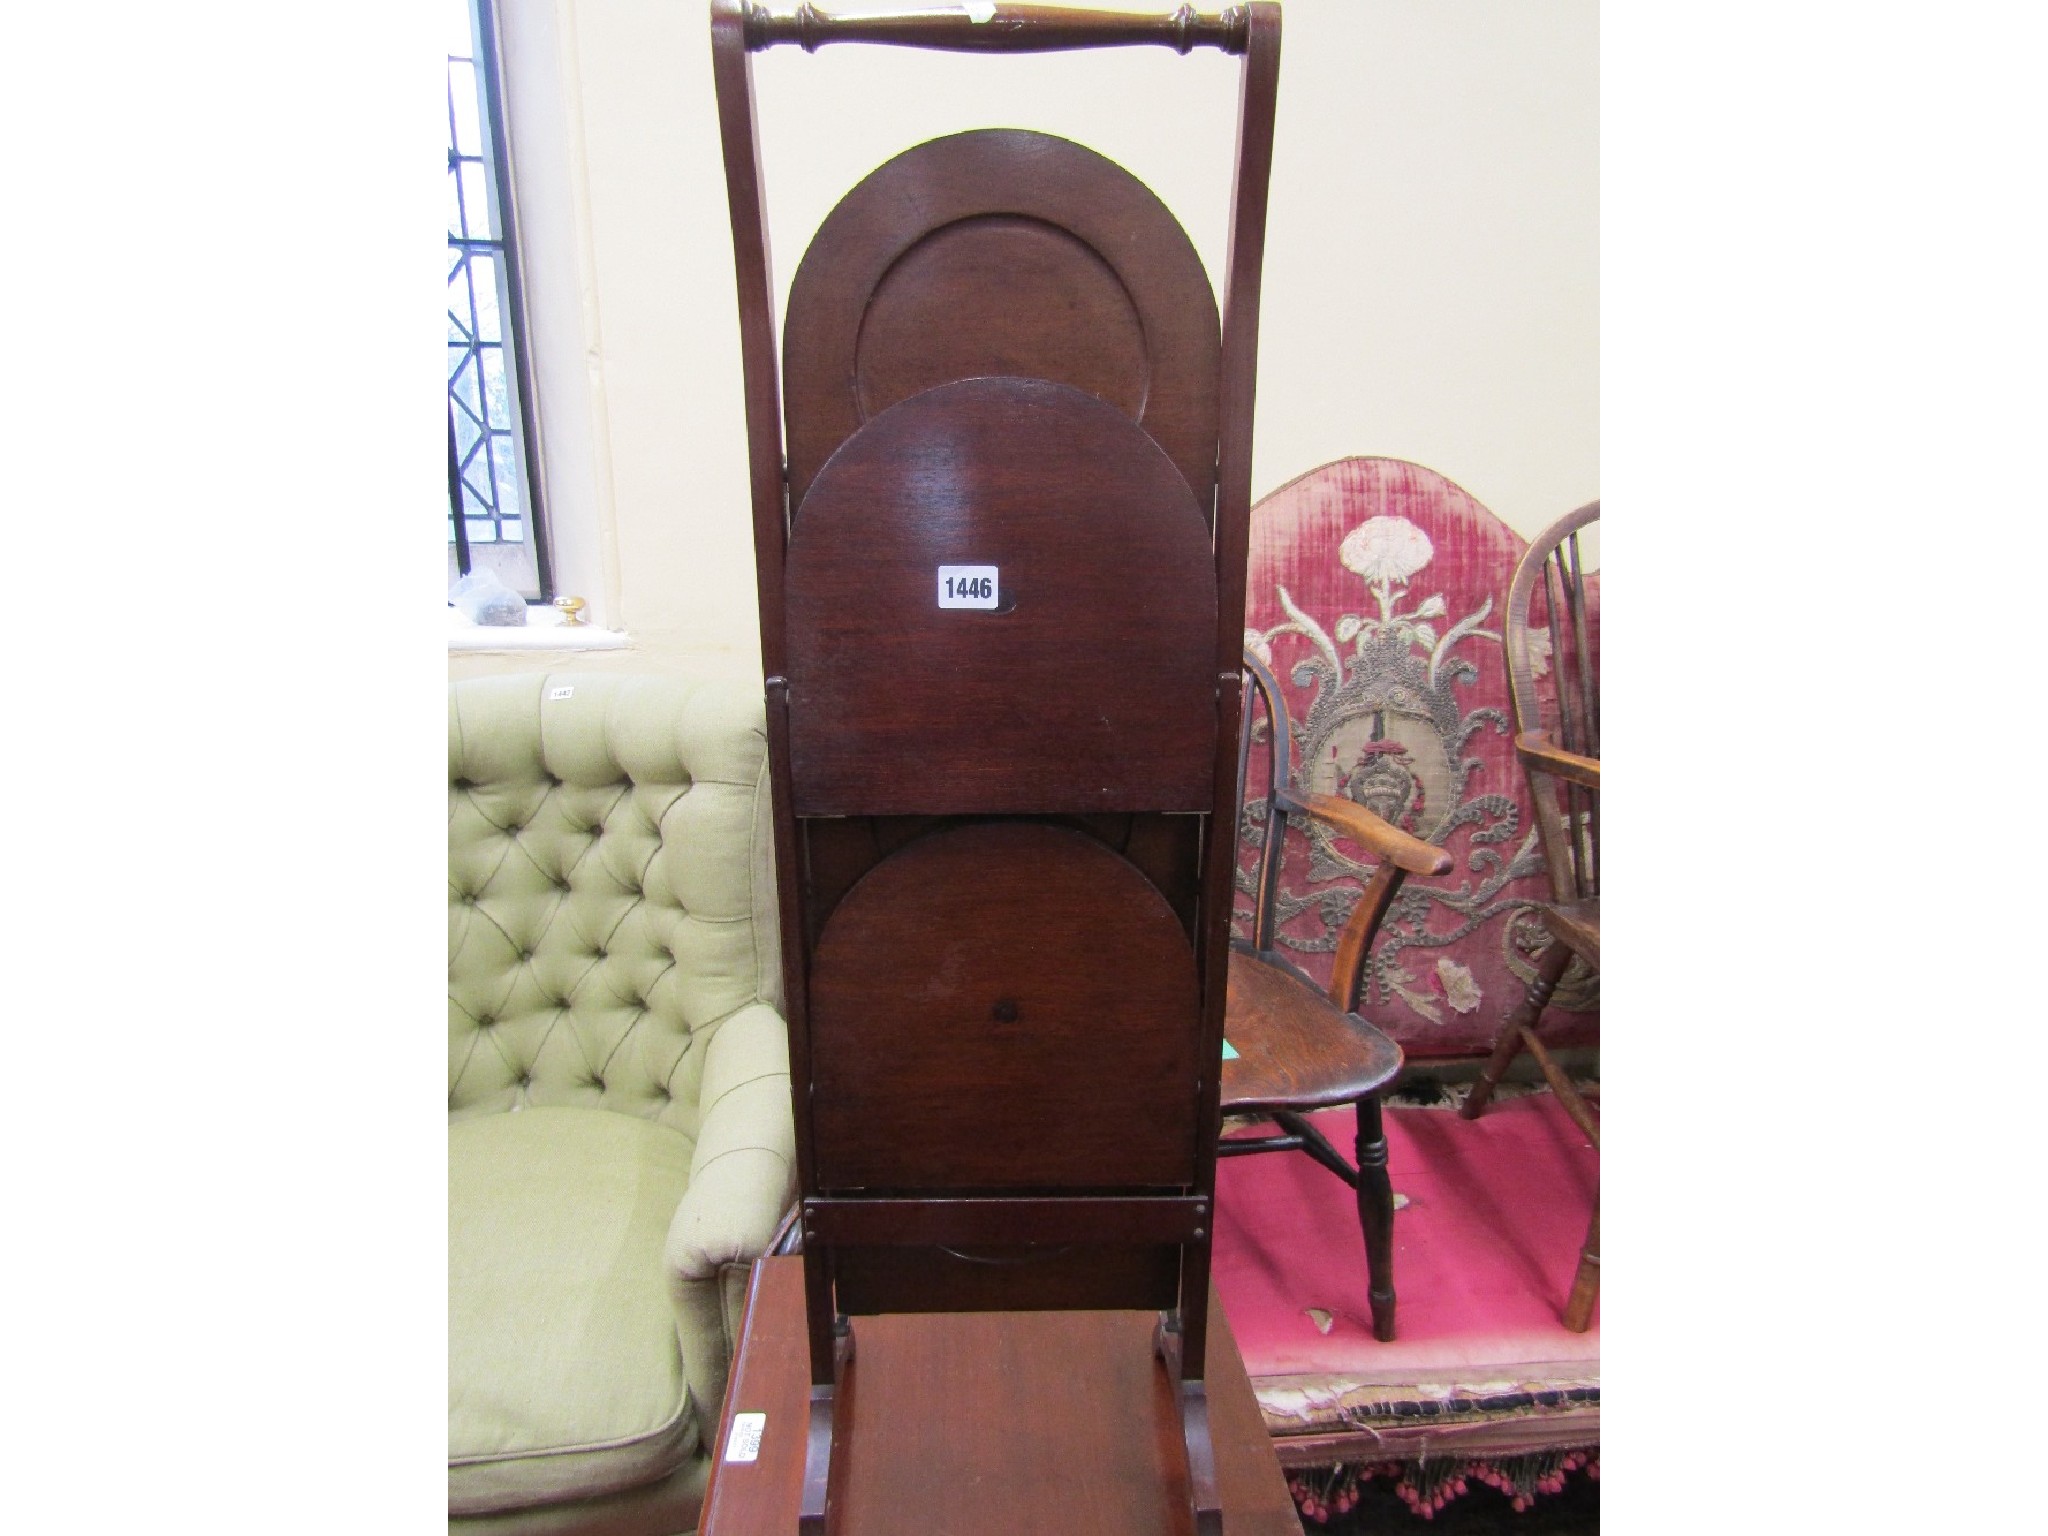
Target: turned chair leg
point(1549, 971)
point(1376, 1216)
point(1578, 1308)
point(1373, 1190)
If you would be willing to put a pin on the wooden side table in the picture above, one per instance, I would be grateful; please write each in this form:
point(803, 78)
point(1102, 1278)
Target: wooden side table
point(1002, 1423)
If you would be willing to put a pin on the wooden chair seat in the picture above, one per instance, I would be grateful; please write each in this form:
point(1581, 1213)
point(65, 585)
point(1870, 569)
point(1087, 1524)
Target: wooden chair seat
point(1296, 1050)
point(1575, 924)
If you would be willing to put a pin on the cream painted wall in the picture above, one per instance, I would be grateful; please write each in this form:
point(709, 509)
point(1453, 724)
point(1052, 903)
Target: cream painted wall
point(1431, 282)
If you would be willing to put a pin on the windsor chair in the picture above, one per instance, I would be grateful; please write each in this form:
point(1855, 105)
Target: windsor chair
point(1300, 1047)
point(1553, 674)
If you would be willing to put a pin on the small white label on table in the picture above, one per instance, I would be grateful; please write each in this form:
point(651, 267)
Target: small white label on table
point(555, 695)
point(967, 586)
point(744, 1443)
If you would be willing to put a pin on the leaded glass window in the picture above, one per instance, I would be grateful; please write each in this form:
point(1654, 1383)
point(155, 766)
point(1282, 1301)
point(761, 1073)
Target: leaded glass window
point(493, 493)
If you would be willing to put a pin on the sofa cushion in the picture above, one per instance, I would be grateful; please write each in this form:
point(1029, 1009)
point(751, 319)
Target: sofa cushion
point(565, 1376)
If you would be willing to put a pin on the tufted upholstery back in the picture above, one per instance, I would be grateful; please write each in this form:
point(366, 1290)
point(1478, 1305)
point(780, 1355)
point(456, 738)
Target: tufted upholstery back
point(610, 888)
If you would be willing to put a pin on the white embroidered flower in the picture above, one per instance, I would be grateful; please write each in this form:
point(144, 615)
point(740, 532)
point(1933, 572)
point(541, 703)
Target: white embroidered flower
point(1256, 644)
point(1385, 549)
point(1461, 991)
point(1539, 652)
point(1433, 607)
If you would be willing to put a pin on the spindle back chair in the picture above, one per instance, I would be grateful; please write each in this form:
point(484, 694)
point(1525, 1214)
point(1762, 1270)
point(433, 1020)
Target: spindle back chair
point(1299, 1048)
point(1553, 671)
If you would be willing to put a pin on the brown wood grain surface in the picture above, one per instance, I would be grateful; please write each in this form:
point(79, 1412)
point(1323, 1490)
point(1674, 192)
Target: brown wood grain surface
point(1385, 841)
point(1003, 1005)
point(1538, 752)
point(838, 850)
point(1086, 689)
point(1296, 1049)
point(978, 1220)
point(1258, 95)
point(1109, 486)
point(991, 1424)
point(1578, 924)
point(999, 26)
point(1006, 1278)
point(1002, 251)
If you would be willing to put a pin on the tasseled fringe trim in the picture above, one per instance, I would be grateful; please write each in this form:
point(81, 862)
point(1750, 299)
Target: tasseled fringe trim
point(1428, 1486)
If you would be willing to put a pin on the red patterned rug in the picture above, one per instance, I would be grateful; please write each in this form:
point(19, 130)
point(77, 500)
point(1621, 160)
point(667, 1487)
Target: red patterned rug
point(1483, 1384)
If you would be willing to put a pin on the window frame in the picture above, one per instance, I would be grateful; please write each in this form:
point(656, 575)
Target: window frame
point(514, 327)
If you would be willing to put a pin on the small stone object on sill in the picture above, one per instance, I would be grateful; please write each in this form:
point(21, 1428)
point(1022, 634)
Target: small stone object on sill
point(572, 612)
point(485, 600)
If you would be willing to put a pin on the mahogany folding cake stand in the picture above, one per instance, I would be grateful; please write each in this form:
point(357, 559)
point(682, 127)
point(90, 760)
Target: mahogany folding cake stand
point(1001, 482)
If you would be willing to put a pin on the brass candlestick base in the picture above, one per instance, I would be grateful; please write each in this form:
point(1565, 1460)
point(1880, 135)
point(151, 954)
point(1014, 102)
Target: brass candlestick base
point(572, 611)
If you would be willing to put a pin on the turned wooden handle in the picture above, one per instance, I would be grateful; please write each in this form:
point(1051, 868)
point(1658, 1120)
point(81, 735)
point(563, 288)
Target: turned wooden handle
point(998, 26)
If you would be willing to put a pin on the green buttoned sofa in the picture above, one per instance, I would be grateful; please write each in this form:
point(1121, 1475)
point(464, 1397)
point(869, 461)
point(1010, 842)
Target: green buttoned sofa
point(620, 1146)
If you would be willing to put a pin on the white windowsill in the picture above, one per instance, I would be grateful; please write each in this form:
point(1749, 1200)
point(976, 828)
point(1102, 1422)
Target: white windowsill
point(543, 631)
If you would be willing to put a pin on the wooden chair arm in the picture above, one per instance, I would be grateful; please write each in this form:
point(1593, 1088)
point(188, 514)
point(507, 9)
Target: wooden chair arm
point(1381, 836)
point(1538, 751)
